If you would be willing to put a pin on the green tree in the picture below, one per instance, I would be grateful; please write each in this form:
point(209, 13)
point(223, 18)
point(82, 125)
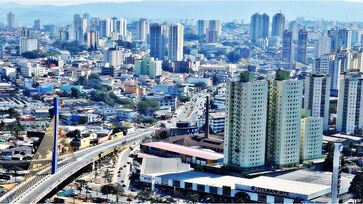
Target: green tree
point(233, 57)
point(107, 189)
point(148, 107)
point(74, 134)
point(117, 130)
point(72, 47)
point(119, 191)
point(356, 188)
point(194, 198)
point(75, 93)
point(144, 195)
point(13, 113)
point(200, 85)
point(328, 162)
point(183, 99)
point(163, 135)
point(32, 54)
point(83, 120)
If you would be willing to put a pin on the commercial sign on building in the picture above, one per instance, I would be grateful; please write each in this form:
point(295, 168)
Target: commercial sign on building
point(269, 191)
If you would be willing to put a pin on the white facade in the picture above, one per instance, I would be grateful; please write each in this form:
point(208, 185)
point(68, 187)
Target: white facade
point(322, 46)
point(32, 70)
point(245, 123)
point(143, 30)
point(316, 99)
point(328, 64)
point(28, 44)
point(350, 103)
point(283, 136)
point(92, 39)
point(114, 57)
point(311, 138)
point(175, 42)
point(121, 27)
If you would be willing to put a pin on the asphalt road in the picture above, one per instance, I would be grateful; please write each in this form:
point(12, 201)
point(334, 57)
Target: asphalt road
point(82, 158)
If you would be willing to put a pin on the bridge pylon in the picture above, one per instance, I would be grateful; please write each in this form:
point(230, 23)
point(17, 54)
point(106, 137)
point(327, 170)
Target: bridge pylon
point(55, 142)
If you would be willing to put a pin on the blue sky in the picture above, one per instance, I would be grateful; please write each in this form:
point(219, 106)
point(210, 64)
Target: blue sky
point(75, 2)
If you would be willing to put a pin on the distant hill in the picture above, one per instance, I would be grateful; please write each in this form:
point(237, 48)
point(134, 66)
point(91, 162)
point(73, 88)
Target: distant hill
point(223, 10)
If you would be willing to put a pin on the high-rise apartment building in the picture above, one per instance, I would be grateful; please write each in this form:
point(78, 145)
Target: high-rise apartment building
point(301, 46)
point(211, 36)
point(158, 40)
point(175, 42)
point(28, 44)
point(245, 122)
point(202, 26)
point(105, 28)
point(316, 97)
point(11, 20)
point(215, 25)
point(287, 52)
point(37, 25)
point(94, 24)
point(121, 27)
point(92, 39)
point(284, 120)
point(77, 21)
point(340, 39)
point(278, 25)
point(344, 39)
point(114, 57)
point(255, 27)
point(294, 27)
point(322, 46)
point(311, 138)
point(265, 25)
point(259, 26)
point(331, 65)
point(148, 66)
point(350, 103)
point(143, 30)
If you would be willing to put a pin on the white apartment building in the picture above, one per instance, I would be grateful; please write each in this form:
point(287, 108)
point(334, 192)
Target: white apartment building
point(121, 27)
point(350, 103)
point(115, 58)
point(329, 64)
point(284, 115)
point(28, 44)
point(316, 98)
point(143, 28)
point(31, 70)
point(245, 122)
point(175, 42)
point(311, 138)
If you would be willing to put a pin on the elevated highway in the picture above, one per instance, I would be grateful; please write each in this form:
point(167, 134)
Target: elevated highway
point(38, 186)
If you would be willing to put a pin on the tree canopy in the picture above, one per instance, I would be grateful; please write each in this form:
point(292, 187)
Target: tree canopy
point(356, 187)
point(72, 47)
point(148, 107)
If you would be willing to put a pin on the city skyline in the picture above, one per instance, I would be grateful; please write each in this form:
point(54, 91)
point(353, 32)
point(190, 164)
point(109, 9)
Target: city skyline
point(232, 10)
